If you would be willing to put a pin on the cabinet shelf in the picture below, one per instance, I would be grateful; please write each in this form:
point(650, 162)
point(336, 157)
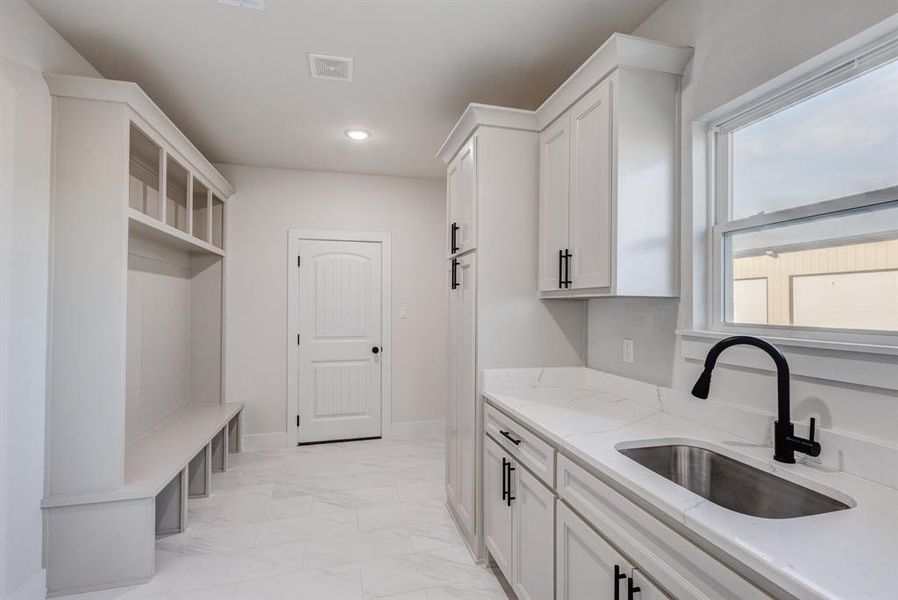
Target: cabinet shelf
point(143, 225)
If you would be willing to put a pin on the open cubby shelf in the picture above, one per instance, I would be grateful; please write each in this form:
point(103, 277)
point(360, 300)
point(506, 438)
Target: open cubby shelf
point(143, 225)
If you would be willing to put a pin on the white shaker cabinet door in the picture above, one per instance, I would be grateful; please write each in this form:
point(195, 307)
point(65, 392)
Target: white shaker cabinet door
point(466, 393)
point(496, 507)
point(462, 195)
point(533, 530)
point(586, 566)
point(452, 447)
point(453, 206)
point(590, 205)
point(554, 197)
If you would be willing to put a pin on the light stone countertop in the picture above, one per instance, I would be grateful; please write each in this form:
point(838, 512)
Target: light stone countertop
point(849, 554)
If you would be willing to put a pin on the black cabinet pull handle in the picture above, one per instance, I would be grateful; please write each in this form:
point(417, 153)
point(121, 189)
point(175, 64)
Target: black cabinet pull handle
point(618, 575)
point(510, 469)
point(631, 589)
point(507, 435)
point(453, 243)
point(505, 465)
point(454, 274)
point(567, 268)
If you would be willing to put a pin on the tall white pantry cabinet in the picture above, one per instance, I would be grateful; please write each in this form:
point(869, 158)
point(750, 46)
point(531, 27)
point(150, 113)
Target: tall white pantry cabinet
point(576, 199)
point(495, 317)
point(137, 418)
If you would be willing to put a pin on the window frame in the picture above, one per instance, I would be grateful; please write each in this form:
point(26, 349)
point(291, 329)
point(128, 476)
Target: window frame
point(719, 145)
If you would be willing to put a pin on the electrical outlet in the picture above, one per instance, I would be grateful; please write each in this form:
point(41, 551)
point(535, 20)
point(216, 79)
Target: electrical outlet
point(627, 350)
point(403, 312)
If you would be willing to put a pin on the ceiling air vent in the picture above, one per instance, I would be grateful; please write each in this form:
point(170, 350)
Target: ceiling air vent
point(253, 4)
point(330, 67)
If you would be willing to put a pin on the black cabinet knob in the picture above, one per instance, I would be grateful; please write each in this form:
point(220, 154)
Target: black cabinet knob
point(375, 350)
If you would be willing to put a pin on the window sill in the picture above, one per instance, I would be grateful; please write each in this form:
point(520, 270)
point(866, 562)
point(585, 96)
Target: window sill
point(871, 365)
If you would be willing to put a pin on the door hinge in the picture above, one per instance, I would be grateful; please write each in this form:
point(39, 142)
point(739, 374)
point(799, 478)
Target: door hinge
point(297, 420)
point(298, 261)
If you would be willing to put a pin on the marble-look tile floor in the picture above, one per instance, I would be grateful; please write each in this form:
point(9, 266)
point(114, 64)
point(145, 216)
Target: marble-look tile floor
point(350, 521)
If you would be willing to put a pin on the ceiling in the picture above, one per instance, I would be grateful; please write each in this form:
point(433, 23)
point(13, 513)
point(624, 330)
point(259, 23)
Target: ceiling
point(236, 80)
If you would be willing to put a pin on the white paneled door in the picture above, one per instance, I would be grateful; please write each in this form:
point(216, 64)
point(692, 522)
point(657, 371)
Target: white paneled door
point(340, 331)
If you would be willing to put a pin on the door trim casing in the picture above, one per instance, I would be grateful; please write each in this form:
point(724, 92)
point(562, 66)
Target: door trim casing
point(292, 354)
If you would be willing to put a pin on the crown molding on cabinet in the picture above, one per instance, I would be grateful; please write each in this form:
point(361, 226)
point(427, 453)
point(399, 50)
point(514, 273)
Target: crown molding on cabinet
point(129, 93)
point(619, 50)
point(484, 114)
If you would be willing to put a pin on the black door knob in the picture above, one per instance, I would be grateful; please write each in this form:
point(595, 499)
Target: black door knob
point(375, 350)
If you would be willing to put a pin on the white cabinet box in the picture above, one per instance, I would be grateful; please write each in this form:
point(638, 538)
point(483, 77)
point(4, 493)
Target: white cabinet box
point(492, 200)
point(607, 195)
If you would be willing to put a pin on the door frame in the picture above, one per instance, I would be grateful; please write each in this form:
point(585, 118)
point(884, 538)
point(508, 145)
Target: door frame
point(386, 356)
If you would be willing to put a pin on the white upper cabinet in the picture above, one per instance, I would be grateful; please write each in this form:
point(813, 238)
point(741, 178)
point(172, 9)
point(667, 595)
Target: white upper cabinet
point(554, 198)
point(607, 191)
point(461, 182)
point(590, 249)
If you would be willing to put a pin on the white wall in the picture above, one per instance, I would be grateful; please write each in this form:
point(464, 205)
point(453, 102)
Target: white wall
point(28, 46)
point(738, 46)
point(268, 202)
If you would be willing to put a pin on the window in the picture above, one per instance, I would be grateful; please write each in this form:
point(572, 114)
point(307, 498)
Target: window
point(805, 229)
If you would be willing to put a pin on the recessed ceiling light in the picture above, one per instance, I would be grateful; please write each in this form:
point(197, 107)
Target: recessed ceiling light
point(357, 134)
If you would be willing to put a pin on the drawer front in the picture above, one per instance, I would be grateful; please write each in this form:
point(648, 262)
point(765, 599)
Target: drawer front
point(530, 450)
point(681, 567)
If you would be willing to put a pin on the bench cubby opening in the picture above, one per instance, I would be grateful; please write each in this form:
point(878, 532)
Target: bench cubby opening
point(199, 474)
point(171, 507)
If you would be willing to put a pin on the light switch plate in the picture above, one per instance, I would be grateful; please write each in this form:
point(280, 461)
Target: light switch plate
point(627, 350)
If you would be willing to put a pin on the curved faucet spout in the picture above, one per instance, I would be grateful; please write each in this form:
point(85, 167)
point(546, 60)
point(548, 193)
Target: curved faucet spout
point(786, 443)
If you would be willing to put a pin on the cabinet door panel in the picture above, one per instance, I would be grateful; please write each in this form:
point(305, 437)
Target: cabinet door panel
point(496, 511)
point(584, 562)
point(466, 390)
point(533, 532)
point(452, 447)
point(591, 211)
point(554, 197)
point(466, 236)
point(453, 203)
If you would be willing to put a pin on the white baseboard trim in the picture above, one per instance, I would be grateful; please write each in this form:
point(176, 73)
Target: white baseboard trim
point(34, 588)
point(264, 441)
point(431, 430)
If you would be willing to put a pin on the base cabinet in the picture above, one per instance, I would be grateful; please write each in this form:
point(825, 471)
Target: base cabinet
point(588, 568)
point(533, 527)
point(496, 506)
point(519, 523)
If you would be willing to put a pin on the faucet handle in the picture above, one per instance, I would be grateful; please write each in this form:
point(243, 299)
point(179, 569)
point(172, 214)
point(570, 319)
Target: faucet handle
point(813, 429)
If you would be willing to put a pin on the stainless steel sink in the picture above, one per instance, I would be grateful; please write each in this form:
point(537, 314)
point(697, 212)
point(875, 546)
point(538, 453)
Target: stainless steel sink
point(732, 484)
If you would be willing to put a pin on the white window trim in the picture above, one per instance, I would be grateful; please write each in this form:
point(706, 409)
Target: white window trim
point(858, 357)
